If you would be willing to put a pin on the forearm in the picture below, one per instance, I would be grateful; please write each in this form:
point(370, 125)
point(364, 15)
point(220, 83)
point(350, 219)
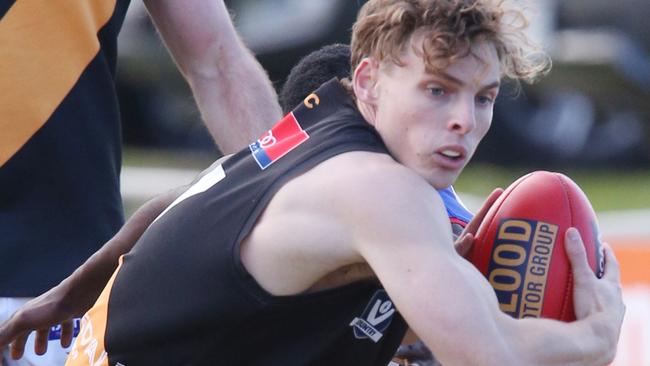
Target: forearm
point(551, 342)
point(471, 317)
point(233, 92)
point(237, 104)
point(494, 338)
point(507, 341)
point(86, 283)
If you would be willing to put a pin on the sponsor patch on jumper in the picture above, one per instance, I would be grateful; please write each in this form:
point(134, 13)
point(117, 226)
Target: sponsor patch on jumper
point(55, 331)
point(375, 318)
point(285, 136)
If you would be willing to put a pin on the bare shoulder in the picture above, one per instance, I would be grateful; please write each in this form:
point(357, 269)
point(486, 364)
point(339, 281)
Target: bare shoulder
point(318, 219)
point(348, 190)
point(354, 177)
point(374, 192)
point(379, 208)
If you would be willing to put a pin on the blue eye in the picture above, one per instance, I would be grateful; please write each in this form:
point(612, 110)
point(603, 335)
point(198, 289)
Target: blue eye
point(484, 100)
point(437, 92)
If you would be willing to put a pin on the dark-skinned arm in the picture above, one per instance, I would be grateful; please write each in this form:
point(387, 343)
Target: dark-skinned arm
point(76, 294)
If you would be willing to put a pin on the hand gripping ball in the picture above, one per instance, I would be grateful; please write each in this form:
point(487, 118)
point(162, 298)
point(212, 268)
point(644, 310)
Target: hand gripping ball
point(519, 247)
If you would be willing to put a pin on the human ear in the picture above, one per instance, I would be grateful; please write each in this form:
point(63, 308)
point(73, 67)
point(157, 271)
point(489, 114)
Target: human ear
point(364, 81)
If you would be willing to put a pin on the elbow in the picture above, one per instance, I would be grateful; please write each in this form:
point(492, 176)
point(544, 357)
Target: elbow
point(200, 72)
point(219, 61)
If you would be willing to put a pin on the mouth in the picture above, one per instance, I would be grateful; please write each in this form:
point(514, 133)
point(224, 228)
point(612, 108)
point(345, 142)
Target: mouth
point(451, 157)
point(451, 154)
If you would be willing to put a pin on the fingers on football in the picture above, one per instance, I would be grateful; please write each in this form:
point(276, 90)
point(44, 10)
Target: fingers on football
point(494, 195)
point(612, 268)
point(575, 249)
point(464, 244)
point(472, 227)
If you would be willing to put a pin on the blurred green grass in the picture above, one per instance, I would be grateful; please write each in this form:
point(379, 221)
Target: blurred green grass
point(607, 189)
point(168, 158)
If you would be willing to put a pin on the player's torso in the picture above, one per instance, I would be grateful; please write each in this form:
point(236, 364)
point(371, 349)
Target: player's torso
point(182, 296)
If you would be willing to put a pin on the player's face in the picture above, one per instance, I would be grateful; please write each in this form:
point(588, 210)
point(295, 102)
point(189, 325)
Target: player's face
point(432, 123)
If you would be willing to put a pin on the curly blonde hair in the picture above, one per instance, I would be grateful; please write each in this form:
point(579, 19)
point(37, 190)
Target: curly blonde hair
point(385, 27)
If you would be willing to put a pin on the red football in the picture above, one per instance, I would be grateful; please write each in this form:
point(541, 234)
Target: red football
point(519, 247)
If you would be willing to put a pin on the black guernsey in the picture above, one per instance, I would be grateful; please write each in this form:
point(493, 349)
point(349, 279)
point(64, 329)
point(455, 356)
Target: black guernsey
point(183, 297)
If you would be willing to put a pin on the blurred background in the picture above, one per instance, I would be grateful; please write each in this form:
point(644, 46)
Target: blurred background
point(589, 118)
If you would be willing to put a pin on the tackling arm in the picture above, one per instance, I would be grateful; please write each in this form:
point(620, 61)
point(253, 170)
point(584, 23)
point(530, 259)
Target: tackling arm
point(77, 293)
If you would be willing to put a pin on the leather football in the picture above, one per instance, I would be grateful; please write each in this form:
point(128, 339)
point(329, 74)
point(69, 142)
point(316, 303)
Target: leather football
point(519, 246)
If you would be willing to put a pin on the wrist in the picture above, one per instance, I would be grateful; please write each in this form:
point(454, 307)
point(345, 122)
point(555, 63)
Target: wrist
point(605, 338)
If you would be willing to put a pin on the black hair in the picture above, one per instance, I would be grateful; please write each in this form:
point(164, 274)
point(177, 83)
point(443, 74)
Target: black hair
point(313, 70)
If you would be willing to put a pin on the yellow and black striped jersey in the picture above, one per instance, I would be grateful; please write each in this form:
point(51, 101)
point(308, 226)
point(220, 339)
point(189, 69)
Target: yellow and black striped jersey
point(60, 138)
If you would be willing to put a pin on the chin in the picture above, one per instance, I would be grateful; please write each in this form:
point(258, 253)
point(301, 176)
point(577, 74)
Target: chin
point(438, 177)
point(438, 183)
point(442, 180)
point(440, 186)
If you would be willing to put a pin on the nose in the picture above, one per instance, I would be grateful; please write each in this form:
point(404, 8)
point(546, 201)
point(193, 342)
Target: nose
point(463, 117)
